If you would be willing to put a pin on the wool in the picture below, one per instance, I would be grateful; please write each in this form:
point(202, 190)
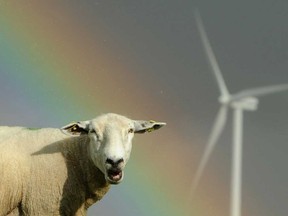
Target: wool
point(52, 171)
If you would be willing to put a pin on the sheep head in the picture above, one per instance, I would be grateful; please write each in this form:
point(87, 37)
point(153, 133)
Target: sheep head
point(111, 141)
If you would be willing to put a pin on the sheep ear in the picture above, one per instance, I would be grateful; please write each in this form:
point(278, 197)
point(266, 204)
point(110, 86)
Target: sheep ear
point(76, 128)
point(147, 126)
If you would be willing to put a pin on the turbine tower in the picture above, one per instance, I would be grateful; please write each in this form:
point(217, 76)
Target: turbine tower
point(243, 101)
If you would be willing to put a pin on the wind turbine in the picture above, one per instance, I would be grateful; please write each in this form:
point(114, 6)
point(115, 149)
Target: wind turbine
point(243, 101)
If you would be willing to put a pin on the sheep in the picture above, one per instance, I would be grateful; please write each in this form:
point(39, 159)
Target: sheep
point(64, 171)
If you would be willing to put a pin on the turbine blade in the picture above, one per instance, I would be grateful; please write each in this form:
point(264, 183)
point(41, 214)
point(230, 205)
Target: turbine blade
point(215, 134)
point(211, 57)
point(262, 91)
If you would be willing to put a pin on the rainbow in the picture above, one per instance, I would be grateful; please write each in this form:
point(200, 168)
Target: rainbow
point(58, 70)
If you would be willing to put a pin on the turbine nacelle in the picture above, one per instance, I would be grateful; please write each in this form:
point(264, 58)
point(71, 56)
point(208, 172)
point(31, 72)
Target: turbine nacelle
point(248, 103)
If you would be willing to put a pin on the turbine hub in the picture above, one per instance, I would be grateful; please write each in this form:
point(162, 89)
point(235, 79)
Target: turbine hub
point(224, 99)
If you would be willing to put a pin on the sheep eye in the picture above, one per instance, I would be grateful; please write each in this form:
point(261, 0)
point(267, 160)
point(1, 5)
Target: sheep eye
point(92, 131)
point(130, 130)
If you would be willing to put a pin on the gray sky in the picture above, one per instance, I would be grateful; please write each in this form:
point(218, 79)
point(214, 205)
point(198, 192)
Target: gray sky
point(159, 40)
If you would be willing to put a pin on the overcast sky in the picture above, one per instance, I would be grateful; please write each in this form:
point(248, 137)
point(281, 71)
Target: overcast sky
point(160, 41)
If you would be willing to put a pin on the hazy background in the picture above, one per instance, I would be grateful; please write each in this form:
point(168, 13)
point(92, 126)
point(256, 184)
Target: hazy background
point(144, 59)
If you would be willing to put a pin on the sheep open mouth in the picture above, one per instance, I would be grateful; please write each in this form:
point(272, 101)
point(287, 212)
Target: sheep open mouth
point(114, 176)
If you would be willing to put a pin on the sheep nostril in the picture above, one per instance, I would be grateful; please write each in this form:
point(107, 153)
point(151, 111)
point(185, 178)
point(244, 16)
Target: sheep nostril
point(114, 163)
point(109, 161)
point(120, 161)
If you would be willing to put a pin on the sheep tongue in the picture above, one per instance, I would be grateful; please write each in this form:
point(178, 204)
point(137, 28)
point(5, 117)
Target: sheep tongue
point(115, 175)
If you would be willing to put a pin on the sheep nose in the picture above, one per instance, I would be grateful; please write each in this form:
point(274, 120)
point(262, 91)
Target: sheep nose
point(114, 163)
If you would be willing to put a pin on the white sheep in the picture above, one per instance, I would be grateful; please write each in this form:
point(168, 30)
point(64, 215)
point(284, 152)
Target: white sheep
point(64, 171)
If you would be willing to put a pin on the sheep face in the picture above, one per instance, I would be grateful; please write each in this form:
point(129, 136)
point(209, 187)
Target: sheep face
point(110, 145)
point(110, 142)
